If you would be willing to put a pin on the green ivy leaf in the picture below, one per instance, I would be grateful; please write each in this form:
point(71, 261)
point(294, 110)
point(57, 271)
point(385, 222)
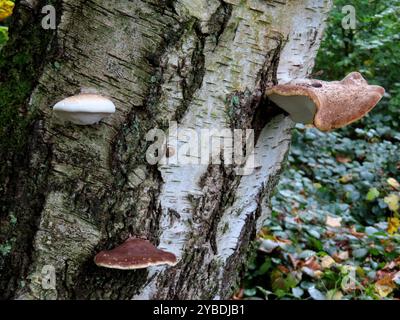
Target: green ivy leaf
point(372, 194)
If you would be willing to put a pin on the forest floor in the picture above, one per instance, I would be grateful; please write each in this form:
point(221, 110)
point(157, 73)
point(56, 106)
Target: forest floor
point(328, 237)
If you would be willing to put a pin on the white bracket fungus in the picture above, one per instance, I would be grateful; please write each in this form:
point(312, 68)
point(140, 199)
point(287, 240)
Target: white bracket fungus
point(84, 109)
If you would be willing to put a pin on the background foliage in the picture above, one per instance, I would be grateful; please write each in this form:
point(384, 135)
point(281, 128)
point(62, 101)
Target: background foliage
point(335, 216)
point(6, 8)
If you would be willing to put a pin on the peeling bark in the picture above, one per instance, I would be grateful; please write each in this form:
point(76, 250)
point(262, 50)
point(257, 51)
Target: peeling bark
point(204, 64)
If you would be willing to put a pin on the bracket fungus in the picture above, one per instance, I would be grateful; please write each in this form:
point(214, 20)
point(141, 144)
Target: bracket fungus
point(84, 109)
point(327, 105)
point(134, 253)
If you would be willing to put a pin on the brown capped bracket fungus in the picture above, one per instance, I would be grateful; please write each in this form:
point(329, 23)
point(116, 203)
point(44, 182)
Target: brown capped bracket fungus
point(327, 105)
point(84, 109)
point(134, 253)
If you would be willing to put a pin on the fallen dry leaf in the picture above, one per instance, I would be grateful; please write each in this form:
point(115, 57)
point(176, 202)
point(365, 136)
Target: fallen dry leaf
point(381, 275)
point(239, 294)
point(298, 220)
point(383, 291)
point(312, 264)
point(343, 159)
point(341, 256)
point(334, 222)
point(392, 200)
point(390, 248)
point(330, 234)
point(346, 178)
point(385, 286)
point(393, 183)
point(393, 225)
point(286, 241)
point(327, 262)
point(353, 232)
point(390, 265)
point(283, 269)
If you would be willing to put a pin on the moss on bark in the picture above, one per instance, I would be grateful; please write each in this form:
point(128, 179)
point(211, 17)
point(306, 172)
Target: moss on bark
point(21, 63)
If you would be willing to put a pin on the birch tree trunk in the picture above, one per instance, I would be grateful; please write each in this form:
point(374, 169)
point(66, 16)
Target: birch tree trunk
point(70, 191)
